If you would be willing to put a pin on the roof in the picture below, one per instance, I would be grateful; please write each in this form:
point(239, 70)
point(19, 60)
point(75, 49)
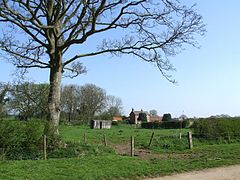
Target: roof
point(118, 118)
point(138, 112)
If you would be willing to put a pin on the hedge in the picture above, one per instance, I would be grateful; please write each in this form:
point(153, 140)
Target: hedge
point(166, 124)
point(217, 127)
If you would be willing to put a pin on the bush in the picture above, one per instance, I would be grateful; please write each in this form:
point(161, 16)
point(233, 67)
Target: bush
point(217, 127)
point(115, 123)
point(21, 140)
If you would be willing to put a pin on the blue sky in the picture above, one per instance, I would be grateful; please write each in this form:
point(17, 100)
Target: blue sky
point(208, 78)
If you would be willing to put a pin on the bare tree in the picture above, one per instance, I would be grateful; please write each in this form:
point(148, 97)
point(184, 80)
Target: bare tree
point(40, 33)
point(114, 106)
point(92, 101)
point(70, 100)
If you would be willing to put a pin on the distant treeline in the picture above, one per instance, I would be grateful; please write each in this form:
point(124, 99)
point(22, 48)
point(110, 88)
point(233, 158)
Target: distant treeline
point(79, 104)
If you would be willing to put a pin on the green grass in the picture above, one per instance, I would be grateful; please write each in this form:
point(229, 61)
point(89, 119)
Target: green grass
point(115, 167)
point(168, 155)
point(116, 135)
point(165, 140)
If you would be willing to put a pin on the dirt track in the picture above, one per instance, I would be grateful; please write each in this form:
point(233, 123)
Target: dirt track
point(222, 173)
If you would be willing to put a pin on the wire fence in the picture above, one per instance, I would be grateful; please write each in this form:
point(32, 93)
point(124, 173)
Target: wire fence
point(176, 141)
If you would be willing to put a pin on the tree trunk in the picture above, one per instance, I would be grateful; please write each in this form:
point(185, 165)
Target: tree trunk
point(56, 71)
point(69, 116)
point(54, 99)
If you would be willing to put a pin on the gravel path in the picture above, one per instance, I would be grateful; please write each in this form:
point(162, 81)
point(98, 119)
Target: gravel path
point(221, 173)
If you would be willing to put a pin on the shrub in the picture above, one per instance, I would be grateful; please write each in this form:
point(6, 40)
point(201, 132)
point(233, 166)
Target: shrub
point(21, 140)
point(115, 123)
point(217, 127)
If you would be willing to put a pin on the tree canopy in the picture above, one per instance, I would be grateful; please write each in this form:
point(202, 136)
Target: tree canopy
point(42, 33)
point(167, 117)
point(156, 29)
point(153, 112)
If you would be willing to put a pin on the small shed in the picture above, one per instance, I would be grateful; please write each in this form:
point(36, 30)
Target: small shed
point(101, 124)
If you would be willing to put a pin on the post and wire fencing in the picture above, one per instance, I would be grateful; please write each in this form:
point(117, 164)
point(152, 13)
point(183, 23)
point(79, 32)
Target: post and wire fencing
point(131, 147)
point(130, 142)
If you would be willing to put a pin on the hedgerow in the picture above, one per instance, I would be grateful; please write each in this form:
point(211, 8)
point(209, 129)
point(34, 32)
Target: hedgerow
point(217, 127)
point(166, 124)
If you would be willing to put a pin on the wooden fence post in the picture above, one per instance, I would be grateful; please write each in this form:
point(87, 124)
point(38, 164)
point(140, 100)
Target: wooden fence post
point(104, 139)
point(180, 134)
point(150, 142)
point(45, 147)
point(229, 138)
point(132, 146)
point(190, 140)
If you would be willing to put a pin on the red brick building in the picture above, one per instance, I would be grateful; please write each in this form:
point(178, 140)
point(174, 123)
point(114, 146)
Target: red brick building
point(150, 118)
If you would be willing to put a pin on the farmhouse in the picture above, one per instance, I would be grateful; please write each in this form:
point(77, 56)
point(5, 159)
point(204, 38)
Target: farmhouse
point(134, 115)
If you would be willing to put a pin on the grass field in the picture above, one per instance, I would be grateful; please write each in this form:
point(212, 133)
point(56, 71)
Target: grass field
point(112, 166)
point(160, 160)
point(116, 135)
